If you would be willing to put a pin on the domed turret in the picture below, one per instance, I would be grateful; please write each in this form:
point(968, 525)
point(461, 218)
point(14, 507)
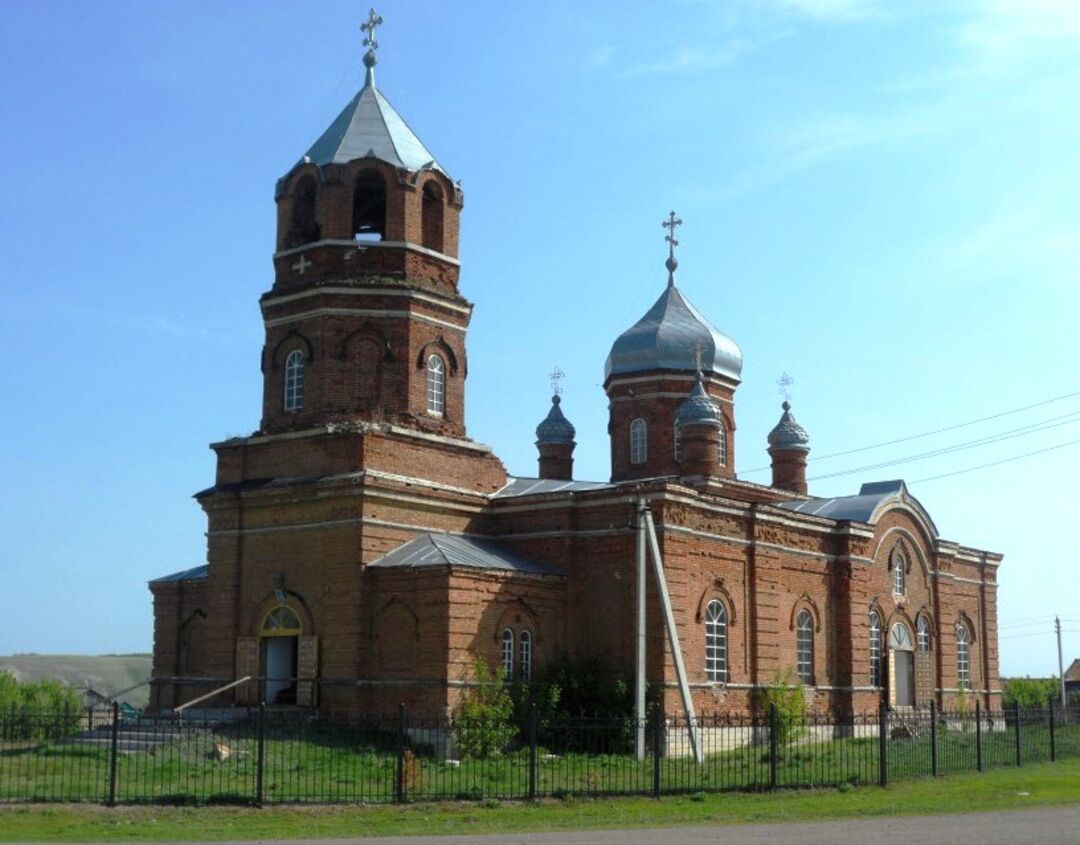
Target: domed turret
point(789, 445)
point(555, 441)
point(698, 408)
point(699, 432)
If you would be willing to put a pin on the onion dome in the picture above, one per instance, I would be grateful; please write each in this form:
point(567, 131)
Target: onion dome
point(698, 408)
point(788, 434)
point(669, 337)
point(555, 427)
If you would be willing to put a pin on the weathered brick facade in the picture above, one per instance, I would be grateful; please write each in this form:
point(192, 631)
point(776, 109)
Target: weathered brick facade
point(362, 447)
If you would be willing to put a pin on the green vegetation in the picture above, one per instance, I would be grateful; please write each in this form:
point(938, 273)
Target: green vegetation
point(1042, 785)
point(20, 701)
point(786, 694)
point(106, 673)
point(1030, 693)
point(483, 719)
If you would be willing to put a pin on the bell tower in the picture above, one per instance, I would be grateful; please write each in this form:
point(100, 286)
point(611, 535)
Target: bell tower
point(364, 321)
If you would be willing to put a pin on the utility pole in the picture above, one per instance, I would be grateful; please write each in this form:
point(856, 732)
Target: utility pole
point(639, 674)
point(1061, 665)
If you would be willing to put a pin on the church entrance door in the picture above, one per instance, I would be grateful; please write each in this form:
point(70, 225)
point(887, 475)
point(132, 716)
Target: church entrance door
point(901, 667)
point(280, 634)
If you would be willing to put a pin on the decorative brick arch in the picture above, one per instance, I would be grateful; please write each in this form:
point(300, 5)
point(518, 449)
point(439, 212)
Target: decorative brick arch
point(440, 345)
point(368, 331)
point(293, 339)
point(287, 598)
point(805, 602)
point(909, 543)
point(516, 616)
point(963, 619)
point(715, 591)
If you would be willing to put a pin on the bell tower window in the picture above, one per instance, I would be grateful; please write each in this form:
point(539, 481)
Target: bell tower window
point(436, 386)
point(302, 228)
point(294, 381)
point(432, 216)
point(638, 445)
point(369, 206)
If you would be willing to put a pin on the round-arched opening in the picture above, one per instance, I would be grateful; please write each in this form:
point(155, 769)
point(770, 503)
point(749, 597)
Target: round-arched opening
point(369, 206)
point(303, 228)
point(431, 217)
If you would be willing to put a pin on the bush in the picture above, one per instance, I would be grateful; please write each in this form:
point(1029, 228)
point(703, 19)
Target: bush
point(785, 691)
point(1030, 693)
point(483, 719)
point(39, 709)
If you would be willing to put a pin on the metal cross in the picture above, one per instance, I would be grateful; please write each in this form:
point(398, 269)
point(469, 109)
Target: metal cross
point(556, 376)
point(301, 265)
point(374, 20)
point(784, 383)
point(698, 350)
point(671, 263)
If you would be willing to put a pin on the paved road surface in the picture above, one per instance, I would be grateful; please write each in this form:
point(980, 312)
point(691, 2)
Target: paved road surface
point(1053, 826)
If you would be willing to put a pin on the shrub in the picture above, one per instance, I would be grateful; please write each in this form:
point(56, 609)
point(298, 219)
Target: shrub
point(1030, 693)
point(785, 691)
point(483, 719)
point(39, 709)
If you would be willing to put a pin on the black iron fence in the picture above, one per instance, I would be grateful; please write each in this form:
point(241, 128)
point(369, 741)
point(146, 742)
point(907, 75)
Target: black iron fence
point(261, 755)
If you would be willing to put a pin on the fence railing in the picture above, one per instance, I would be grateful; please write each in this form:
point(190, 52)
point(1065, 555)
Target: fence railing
point(265, 755)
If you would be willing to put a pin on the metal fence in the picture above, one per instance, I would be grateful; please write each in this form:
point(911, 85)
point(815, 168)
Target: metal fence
point(262, 756)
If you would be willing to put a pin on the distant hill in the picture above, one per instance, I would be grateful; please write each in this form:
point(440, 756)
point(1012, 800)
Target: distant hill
point(106, 673)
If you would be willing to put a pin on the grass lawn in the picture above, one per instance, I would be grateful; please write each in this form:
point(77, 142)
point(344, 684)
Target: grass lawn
point(1044, 784)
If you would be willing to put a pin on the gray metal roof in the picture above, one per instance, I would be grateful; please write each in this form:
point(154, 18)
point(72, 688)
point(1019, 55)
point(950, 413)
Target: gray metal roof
point(698, 408)
point(369, 125)
point(555, 427)
point(450, 550)
point(788, 434)
point(193, 574)
point(668, 338)
point(539, 486)
point(870, 502)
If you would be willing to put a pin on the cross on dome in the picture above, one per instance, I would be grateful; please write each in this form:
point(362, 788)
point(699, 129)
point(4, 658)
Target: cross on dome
point(671, 263)
point(556, 376)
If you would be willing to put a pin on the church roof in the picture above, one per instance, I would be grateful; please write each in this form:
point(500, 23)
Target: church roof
point(788, 434)
point(669, 337)
point(370, 126)
point(193, 574)
point(539, 486)
point(436, 549)
point(555, 427)
point(870, 502)
point(698, 408)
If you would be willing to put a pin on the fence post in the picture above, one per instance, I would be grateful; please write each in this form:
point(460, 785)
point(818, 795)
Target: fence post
point(1053, 739)
point(883, 745)
point(533, 718)
point(261, 756)
point(1016, 715)
point(656, 740)
point(114, 741)
point(978, 737)
point(933, 738)
point(90, 718)
point(774, 746)
point(399, 770)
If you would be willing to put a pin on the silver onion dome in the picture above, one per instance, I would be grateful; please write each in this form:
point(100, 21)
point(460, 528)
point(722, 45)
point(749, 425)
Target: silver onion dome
point(555, 428)
point(669, 337)
point(788, 434)
point(698, 408)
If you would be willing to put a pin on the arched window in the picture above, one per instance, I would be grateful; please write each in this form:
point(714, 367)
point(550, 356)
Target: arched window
point(875, 649)
point(303, 229)
point(678, 444)
point(963, 658)
point(369, 206)
point(721, 445)
point(294, 381)
point(804, 647)
point(898, 574)
point(716, 641)
point(922, 633)
point(282, 621)
point(525, 654)
point(431, 222)
point(436, 385)
point(508, 654)
point(638, 448)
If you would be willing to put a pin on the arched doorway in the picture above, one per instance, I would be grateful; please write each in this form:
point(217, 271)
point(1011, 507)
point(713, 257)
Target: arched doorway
point(901, 666)
point(280, 634)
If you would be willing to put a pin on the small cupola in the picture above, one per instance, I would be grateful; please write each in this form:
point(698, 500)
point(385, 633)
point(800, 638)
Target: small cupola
point(698, 426)
point(789, 444)
point(555, 442)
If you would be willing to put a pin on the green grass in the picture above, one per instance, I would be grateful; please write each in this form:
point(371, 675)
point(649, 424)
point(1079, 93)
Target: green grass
point(1045, 784)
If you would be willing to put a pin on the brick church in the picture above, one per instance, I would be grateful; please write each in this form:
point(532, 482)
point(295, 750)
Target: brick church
point(364, 551)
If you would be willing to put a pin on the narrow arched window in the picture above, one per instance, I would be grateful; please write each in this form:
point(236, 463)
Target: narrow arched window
point(508, 654)
point(525, 655)
point(804, 647)
point(294, 381)
point(436, 386)
point(922, 633)
point(721, 445)
point(716, 641)
point(638, 446)
point(369, 206)
point(963, 658)
point(303, 228)
point(898, 566)
point(875, 649)
point(431, 213)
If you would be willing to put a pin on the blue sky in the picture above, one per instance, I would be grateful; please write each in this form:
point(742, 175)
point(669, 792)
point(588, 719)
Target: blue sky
point(879, 199)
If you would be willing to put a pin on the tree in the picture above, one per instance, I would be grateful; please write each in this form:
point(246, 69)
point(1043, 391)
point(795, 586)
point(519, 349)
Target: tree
point(484, 717)
point(1030, 693)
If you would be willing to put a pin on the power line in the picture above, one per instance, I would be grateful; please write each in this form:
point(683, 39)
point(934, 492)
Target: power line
point(997, 463)
point(934, 431)
point(1033, 428)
